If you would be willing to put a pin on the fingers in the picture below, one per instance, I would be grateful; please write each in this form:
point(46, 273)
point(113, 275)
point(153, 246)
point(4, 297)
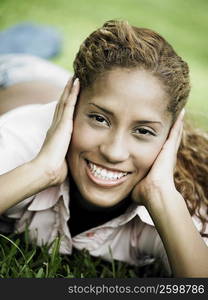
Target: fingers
point(170, 148)
point(179, 129)
point(63, 96)
point(68, 99)
point(179, 136)
point(66, 91)
point(69, 103)
point(176, 131)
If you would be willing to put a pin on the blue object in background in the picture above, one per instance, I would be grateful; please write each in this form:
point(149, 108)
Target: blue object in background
point(29, 38)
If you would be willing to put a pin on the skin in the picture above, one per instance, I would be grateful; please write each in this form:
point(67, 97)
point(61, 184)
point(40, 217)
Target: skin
point(118, 139)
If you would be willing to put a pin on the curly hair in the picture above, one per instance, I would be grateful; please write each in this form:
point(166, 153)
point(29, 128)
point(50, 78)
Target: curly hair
point(118, 44)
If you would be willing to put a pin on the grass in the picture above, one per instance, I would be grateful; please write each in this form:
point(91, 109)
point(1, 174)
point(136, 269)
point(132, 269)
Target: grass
point(21, 259)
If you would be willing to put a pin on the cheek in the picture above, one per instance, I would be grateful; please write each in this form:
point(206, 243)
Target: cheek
point(146, 156)
point(83, 139)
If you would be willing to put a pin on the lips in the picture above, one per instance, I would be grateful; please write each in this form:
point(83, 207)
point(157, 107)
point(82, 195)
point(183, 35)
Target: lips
point(105, 177)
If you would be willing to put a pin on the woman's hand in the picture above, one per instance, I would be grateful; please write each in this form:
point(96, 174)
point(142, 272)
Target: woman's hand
point(161, 175)
point(52, 154)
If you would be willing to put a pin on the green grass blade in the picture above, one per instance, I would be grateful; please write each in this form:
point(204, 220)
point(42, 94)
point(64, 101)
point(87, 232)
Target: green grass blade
point(13, 243)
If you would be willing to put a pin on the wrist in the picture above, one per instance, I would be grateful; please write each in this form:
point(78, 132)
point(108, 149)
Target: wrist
point(49, 175)
point(163, 198)
point(41, 174)
point(26, 180)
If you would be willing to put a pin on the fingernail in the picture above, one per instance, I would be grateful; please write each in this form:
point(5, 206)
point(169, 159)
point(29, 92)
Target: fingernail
point(69, 81)
point(76, 81)
point(182, 112)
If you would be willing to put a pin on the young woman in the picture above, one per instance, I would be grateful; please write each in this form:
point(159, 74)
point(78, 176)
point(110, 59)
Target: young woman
point(105, 168)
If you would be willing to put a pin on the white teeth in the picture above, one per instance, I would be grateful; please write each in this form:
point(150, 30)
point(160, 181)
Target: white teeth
point(91, 166)
point(110, 175)
point(114, 176)
point(104, 174)
point(98, 171)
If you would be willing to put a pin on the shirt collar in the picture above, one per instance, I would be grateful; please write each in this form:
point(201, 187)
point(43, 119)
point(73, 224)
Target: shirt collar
point(49, 197)
point(132, 211)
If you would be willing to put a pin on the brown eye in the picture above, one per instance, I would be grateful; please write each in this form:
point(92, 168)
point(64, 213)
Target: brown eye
point(98, 119)
point(143, 131)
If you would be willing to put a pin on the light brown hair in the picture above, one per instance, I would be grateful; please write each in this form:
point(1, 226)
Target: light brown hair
point(118, 44)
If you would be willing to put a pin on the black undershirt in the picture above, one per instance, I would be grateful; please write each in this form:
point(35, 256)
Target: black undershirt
point(84, 217)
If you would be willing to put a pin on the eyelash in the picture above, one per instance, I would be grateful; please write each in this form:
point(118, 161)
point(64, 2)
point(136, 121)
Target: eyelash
point(147, 131)
point(94, 116)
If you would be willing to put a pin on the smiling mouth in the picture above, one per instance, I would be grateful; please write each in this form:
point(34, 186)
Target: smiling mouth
point(105, 177)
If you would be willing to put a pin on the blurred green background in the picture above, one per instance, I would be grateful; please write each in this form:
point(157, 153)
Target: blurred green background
point(184, 23)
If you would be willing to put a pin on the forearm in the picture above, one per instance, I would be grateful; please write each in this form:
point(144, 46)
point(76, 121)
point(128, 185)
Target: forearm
point(186, 250)
point(21, 183)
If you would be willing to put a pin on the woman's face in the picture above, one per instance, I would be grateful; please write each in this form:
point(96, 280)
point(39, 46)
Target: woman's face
point(120, 125)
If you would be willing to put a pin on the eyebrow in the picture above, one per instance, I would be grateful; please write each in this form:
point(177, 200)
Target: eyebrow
point(103, 109)
point(112, 114)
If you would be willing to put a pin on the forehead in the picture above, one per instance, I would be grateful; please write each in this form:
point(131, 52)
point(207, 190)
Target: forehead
point(126, 90)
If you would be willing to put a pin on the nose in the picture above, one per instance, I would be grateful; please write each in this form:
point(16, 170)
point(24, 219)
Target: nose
point(115, 149)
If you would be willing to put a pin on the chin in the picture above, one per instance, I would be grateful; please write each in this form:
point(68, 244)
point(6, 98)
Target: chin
point(103, 202)
point(101, 199)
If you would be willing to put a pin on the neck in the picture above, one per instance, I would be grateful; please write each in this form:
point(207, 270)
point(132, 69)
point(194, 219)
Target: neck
point(84, 216)
point(90, 207)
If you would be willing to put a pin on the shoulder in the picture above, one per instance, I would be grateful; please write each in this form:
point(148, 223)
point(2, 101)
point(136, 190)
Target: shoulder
point(22, 132)
point(27, 115)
